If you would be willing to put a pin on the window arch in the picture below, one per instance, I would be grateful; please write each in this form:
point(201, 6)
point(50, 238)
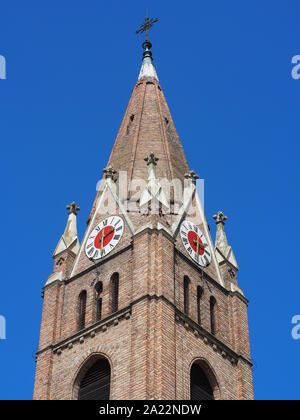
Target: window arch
point(201, 387)
point(94, 380)
point(213, 315)
point(186, 287)
point(98, 291)
point(114, 282)
point(81, 310)
point(199, 296)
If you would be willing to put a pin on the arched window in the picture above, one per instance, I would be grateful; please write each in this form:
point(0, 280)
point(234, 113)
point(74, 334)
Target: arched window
point(114, 292)
point(186, 286)
point(95, 384)
point(81, 310)
point(98, 290)
point(199, 295)
point(213, 316)
point(201, 388)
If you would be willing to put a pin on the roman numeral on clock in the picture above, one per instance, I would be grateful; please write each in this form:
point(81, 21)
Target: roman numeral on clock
point(91, 251)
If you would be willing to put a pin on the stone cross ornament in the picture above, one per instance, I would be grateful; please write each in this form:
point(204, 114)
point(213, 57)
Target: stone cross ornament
point(73, 208)
point(220, 217)
point(109, 172)
point(151, 159)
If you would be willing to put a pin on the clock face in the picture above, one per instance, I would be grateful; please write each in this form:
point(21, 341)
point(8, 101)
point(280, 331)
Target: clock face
point(104, 238)
point(195, 243)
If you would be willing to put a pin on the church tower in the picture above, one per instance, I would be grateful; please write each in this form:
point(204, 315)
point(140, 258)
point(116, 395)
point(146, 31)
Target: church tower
point(146, 307)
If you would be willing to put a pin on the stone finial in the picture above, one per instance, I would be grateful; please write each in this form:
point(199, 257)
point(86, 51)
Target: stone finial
point(192, 176)
point(151, 159)
point(69, 239)
point(73, 208)
point(153, 193)
point(220, 217)
point(224, 250)
point(109, 172)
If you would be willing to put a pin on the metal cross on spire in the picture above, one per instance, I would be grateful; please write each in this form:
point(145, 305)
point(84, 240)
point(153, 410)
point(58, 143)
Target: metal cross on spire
point(146, 26)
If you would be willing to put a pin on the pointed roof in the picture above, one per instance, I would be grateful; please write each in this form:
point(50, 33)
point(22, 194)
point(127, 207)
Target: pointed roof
point(69, 239)
point(147, 127)
point(224, 251)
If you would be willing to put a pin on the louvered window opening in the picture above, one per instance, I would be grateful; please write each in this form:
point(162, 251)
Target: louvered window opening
point(115, 292)
point(199, 295)
point(201, 389)
point(82, 310)
point(213, 315)
point(99, 289)
point(95, 384)
point(186, 282)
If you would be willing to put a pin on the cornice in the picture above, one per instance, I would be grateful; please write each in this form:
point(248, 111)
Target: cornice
point(125, 314)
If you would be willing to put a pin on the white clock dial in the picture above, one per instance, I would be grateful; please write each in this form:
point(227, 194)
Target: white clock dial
point(104, 238)
point(195, 243)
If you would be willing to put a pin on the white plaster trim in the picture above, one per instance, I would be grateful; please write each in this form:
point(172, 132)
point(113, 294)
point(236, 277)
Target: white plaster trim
point(87, 232)
point(150, 226)
point(187, 198)
point(162, 227)
point(235, 288)
point(144, 227)
point(182, 212)
point(53, 277)
point(147, 70)
point(111, 187)
point(206, 231)
point(229, 257)
point(69, 237)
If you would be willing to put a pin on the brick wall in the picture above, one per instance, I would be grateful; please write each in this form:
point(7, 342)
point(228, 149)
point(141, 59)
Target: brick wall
point(149, 342)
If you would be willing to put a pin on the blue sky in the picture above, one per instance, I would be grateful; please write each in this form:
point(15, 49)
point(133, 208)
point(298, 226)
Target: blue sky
point(225, 67)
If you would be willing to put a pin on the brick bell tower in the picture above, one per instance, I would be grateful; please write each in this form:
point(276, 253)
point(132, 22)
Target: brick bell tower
point(146, 307)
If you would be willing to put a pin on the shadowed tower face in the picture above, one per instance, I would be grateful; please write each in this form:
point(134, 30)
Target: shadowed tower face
point(146, 307)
